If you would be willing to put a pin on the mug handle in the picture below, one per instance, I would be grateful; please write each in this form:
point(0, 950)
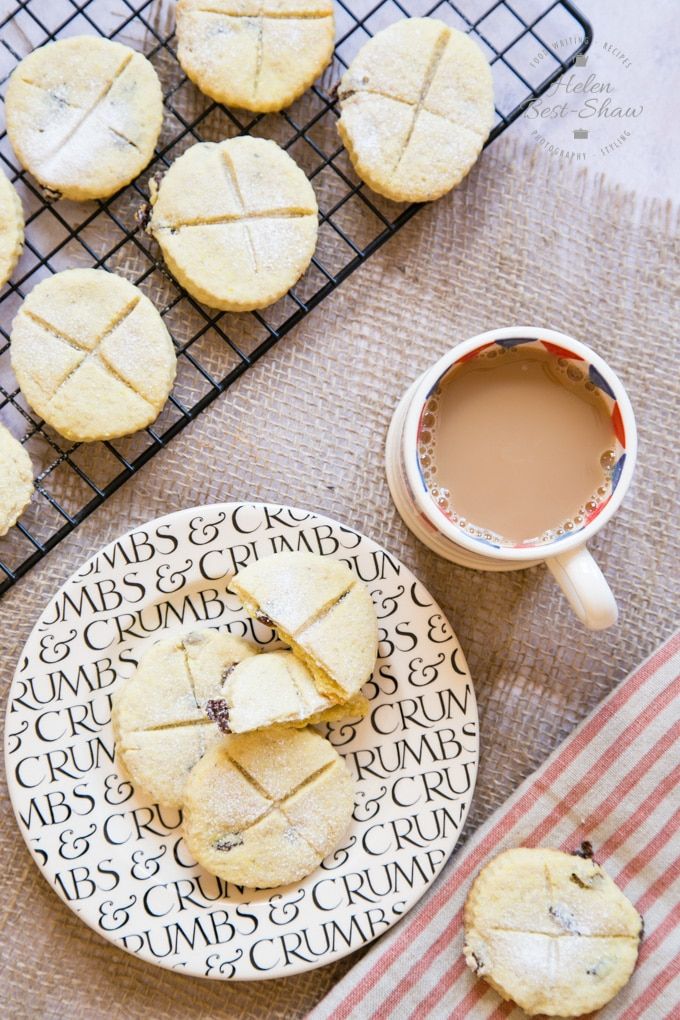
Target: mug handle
point(585, 587)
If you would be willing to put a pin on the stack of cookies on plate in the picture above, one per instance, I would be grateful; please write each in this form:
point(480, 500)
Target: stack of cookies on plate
point(211, 724)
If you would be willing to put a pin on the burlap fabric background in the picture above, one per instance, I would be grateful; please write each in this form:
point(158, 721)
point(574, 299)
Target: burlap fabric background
point(524, 240)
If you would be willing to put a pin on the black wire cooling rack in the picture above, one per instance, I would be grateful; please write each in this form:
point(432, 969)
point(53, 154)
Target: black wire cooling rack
point(529, 43)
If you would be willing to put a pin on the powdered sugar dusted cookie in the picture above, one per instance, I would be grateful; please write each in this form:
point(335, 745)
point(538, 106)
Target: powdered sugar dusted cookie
point(84, 115)
point(11, 229)
point(417, 107)
point(255, 54)
point(321, 610)
point(277, 688)
point(263, 809)
point(160, 715)
point(92, 355)
point(550, 931)
point(236, 221)
point(16, 480)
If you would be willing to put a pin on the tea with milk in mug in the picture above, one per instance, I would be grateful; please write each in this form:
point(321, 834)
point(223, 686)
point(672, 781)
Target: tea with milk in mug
point(517, 444)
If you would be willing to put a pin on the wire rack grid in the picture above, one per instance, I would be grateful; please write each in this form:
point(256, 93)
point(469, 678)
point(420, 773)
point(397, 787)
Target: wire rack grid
point(529, 43)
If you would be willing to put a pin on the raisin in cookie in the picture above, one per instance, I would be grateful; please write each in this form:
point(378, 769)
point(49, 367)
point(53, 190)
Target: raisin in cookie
point(255, 54)
point(84, 115)
point(321, 610)
point(273, 689)
point(160, 715)
point(16, 480)
point(236, 222)
point(92, 355)
point(263, 809)
point(11, 229)
point(417, 107)
point(550, 931)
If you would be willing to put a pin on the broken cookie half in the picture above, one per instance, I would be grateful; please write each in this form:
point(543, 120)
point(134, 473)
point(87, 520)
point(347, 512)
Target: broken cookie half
point(274, 689)
point(319, 608)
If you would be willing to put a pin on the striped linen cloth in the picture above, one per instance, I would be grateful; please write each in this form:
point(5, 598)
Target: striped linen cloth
point(613, 782)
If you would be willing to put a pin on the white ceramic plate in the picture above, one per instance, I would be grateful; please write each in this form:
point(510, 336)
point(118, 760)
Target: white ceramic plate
point(119, 861)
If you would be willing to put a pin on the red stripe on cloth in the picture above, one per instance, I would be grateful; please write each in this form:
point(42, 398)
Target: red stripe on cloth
point(627, 783)
point(642, 859)
point(448, 981)
point(608, 757)
point(659, 981)
point(506, 1008)
point(660, 933)
point(441, 897)
point(463, 1009)
point(634, 821)
point(652, 993)
point(657, 887)
point(478, 990)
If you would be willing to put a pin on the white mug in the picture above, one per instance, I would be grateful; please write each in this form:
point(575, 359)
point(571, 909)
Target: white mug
point(566, 556)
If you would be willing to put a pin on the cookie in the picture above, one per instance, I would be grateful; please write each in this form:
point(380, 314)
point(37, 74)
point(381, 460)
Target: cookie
point(263, 809)
point(11, 229)
point(83, 115)
point(550, 931)
point(160, 717)
point(92, 355)
point(320, 609)
point(236, 222)
point(416, 108)
point(258, 55)
point(16, 480)
point(277, 688)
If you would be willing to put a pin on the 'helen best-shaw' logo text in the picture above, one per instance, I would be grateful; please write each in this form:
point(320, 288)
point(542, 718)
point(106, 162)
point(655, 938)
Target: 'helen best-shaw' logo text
point(589, 110)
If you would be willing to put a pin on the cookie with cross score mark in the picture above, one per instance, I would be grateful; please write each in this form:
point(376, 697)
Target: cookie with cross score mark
point(258, 55)
point(263, 809)
point(11, 229)
point(92, 355)
point(16, 480)
point(417, 107)
point(550, 931)
point(83, 115)
point(160, 716)
point(236, 222)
